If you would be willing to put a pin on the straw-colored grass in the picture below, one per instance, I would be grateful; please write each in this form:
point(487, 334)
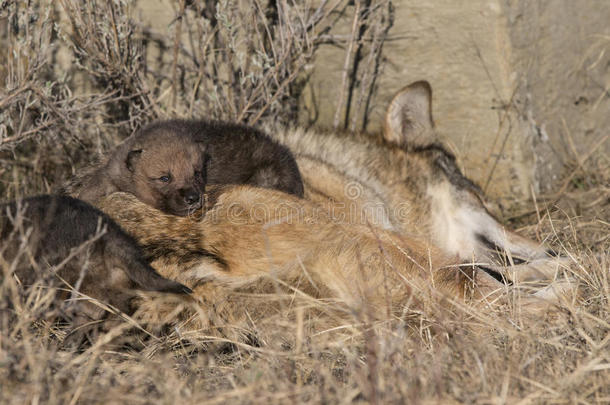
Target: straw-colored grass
point(54, 120)
point(432, 356)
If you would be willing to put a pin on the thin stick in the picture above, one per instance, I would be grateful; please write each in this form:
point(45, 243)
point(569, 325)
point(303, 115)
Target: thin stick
point(176, 47)
point(502, 120)
point(348, 59)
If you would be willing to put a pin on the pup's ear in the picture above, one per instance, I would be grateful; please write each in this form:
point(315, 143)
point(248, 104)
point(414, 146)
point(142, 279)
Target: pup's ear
point(408, 120)
point(132, 157)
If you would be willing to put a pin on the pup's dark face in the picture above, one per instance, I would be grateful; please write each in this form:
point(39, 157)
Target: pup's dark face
point(169, 176)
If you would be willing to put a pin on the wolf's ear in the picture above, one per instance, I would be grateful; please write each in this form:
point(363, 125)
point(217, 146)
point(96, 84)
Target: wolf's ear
point(132, 157)
point(408, 121)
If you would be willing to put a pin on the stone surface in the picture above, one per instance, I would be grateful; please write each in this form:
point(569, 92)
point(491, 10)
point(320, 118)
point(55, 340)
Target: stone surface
point(520, 87)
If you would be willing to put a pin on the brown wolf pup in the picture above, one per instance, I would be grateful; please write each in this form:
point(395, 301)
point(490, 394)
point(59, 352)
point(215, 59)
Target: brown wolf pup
point(168, 163)
point(405, 181)
point(69, 243)
point(163, 171)
point(258, 240)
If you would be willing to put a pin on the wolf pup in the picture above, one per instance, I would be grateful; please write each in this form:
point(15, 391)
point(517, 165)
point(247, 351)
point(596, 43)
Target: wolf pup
point(407, 182)
point(83, 247)
point(238, 154)
point(167, 164)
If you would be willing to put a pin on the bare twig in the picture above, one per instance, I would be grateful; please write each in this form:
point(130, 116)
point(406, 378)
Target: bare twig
point(177, 38)
point(348, 60)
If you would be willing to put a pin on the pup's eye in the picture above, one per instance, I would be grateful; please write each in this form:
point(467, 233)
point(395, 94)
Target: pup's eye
point(165, 179)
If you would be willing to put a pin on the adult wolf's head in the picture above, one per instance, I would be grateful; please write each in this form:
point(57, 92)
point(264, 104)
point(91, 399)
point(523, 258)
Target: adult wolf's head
point(459, 222)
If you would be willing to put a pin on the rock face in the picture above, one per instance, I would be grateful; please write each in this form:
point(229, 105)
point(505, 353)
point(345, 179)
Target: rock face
point(519, 87)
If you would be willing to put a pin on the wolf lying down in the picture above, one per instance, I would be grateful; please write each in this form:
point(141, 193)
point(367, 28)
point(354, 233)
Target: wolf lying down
point(396, 257)
point(294, 245)
point(407, 182)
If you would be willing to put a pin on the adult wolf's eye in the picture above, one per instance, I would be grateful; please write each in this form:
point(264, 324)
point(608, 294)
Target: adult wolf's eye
point(165, 179)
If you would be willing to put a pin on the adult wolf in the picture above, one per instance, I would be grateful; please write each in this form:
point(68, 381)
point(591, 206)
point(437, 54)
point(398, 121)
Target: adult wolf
point(406, 181)
point(391, 223)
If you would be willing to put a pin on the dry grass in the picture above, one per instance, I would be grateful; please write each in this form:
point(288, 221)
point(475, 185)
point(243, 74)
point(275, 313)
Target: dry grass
point(433, 356)
point(80, 76)
point(74, 89)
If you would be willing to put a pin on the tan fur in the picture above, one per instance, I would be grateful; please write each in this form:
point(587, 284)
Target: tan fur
point(258, 241)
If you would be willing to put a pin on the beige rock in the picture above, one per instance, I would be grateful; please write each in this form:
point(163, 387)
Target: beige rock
point(513, 82)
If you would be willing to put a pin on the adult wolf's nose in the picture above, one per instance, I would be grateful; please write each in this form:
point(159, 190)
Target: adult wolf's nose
point(191, 197)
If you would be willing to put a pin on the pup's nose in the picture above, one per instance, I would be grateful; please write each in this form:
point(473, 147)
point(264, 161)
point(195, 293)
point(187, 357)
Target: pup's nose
point(191, 197)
